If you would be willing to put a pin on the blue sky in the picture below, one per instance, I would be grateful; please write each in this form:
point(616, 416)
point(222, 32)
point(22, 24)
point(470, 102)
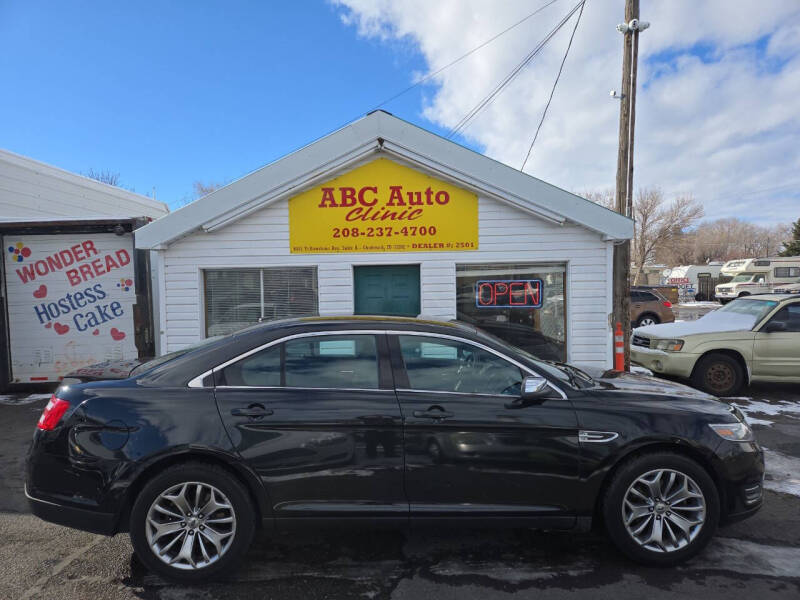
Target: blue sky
point(167, 93)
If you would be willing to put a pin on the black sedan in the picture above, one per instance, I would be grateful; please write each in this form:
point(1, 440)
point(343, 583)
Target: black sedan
point(375, 421)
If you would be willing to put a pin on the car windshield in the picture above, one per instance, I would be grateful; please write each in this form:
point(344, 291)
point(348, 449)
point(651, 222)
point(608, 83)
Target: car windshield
point(751, 307)
point(152, 364)
point(742, 277)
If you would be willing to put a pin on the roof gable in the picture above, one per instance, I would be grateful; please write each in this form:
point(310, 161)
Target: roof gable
point(381, 134)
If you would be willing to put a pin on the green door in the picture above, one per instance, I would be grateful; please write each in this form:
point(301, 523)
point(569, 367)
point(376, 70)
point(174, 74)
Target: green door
point(387, 290)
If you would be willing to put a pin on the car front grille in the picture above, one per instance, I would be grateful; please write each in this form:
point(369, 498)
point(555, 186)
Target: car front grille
point(723, 289)
point(638, 340)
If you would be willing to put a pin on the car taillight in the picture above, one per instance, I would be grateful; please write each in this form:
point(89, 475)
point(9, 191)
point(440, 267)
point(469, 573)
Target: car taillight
point(52, 413)
point(667, 303)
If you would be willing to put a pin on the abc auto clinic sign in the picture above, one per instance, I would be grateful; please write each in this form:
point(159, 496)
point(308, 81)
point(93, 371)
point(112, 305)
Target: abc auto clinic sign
point(70, 302)
point(383, 206)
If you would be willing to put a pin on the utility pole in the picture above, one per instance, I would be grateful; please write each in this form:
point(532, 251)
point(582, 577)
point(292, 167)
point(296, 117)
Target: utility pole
point(624, 188)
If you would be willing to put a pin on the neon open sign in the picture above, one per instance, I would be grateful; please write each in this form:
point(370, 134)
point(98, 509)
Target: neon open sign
point(509, 293)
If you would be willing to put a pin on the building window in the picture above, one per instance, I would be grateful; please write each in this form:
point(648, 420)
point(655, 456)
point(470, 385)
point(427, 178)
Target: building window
point(524, 304)
point(236, 298)
point(787, 272)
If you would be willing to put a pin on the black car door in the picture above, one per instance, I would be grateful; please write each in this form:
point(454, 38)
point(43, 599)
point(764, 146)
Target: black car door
point(471, 450)
point(317, 418)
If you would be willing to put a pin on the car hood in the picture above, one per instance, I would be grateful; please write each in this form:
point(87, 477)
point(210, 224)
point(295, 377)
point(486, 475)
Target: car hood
point(713, 322)
point(642, 384)
point(110, 369)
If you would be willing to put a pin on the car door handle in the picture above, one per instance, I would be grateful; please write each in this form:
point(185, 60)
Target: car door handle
point(433, 413)
point(255, 411)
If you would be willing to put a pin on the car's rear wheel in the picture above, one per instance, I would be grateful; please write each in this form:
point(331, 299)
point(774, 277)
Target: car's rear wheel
point(192, 522)
point(661, 509)
point(647, 319)
point(718, 374)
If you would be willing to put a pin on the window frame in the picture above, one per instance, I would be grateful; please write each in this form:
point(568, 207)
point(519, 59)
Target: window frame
point(774, 316)
point(388, 356)
point(402, 383)
point(202, 278)
point(384, 369)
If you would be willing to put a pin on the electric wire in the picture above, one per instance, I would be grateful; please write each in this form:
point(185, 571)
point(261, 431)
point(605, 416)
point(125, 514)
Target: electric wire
point(462, 57)
point(489, 98)
point(552, 91)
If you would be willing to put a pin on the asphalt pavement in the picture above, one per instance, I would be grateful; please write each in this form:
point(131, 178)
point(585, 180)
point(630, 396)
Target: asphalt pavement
point(757, 558)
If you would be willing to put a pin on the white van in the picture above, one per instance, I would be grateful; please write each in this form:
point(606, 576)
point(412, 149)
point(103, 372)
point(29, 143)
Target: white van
point(756, 276)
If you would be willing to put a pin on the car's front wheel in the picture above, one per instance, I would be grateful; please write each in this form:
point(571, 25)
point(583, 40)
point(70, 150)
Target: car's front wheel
point(192, 522)
point(718, 374)
point(661, 509)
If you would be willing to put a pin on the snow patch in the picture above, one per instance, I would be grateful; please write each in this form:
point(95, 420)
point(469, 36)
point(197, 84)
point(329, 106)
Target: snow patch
point(750, 558)
point(16, 399)
point(783, 473)
point(713, 322)
point(752, 407)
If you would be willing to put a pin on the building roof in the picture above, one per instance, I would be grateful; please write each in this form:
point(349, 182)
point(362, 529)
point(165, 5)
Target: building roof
point(374, 135)
point(31, 190)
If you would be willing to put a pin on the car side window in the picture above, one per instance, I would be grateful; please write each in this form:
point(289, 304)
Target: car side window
point(789, 315)
point(636, 296)
point(262, 369)
point(648, 297)
point(442, 365)
point(332, 361)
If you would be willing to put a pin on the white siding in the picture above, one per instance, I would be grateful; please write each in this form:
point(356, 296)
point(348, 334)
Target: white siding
point(506, 235)
point(31, 190)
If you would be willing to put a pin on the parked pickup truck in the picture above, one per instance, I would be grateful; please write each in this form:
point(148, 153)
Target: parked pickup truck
point(756, 338)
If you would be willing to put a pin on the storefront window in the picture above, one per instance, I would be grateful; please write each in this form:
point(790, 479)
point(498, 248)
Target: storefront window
point(524, 304)
point(236, 298)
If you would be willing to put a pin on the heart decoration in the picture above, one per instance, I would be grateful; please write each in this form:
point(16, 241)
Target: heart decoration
point(117, 334)
point(96, 332)
point(40, 292)
point(61, 329)
point(48, 325)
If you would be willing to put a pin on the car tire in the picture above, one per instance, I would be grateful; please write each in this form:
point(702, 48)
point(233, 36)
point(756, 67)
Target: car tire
point(743, 294)
point(647, 319)
point(718, 374)
point(684, 526)
point(211, 536)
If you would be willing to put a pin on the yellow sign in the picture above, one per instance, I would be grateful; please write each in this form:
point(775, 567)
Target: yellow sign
point(383, 207)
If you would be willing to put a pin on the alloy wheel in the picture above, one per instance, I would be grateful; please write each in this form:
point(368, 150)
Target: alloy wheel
point(664, 510)
point(647, 321)
point(190, 525)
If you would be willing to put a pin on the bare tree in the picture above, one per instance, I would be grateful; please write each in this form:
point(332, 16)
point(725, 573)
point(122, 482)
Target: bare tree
point(657, 224)
point(104, 176)
point(201, 189)
point(606, 197)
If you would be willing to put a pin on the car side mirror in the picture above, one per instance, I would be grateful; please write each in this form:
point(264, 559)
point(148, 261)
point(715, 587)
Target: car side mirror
point(533, 388)
point(775, 327)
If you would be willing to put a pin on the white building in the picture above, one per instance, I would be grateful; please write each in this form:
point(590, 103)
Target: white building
point(383, 217)
point(73, 290)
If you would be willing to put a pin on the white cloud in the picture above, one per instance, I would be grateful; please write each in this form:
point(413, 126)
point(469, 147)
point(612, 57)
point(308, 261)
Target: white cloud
point(717, 107)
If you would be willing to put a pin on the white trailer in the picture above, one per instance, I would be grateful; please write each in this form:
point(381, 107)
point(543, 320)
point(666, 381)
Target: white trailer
point(687, 278)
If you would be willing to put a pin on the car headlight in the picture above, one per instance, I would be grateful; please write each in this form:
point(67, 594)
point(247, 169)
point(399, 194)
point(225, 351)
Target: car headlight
point(667, 345)
point(734, 432)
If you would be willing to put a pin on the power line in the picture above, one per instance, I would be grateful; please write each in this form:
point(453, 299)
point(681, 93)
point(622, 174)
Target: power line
point(552, 91)
point(463, 56)
point(489, 98)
